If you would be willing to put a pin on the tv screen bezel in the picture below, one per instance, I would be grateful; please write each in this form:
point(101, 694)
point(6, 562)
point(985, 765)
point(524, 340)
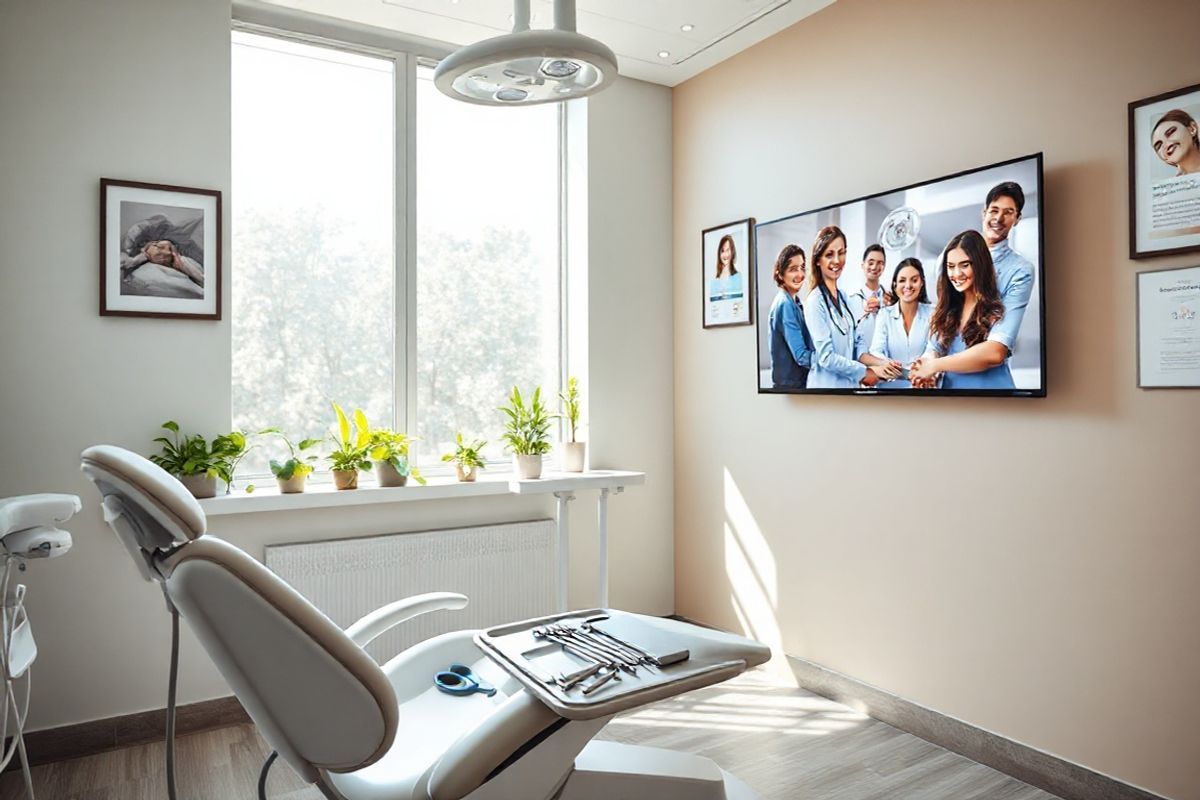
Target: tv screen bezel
point(1039, 277)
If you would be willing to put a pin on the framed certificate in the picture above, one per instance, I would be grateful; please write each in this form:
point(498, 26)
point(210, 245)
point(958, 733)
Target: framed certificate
point(1169, 328)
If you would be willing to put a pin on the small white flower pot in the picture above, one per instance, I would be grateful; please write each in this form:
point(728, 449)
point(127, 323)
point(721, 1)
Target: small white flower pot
point(528, 467)
point(292, 485)
point(573, 454)
point(466, 476)
point(200, 486)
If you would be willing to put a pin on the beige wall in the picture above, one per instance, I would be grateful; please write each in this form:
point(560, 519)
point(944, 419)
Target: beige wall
point(76, 80)
point(1029, 566)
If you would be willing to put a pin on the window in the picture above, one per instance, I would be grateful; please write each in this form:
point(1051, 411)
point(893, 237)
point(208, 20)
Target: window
point(487, 262)
point(332, 301)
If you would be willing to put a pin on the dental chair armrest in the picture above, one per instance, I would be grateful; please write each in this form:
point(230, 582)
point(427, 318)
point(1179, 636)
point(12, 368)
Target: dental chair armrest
point(384, 619)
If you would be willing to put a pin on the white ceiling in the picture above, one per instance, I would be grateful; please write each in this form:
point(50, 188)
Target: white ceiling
point(636, 30)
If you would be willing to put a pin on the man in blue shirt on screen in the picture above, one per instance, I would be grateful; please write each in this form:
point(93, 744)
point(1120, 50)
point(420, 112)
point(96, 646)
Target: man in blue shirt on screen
point(1014, 272)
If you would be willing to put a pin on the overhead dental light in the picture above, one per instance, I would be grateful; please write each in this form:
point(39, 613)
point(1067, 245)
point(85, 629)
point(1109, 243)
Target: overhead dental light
point(527, 67)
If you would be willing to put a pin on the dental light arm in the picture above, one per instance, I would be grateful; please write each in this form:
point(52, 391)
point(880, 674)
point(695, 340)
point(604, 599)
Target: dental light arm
point(384, 619)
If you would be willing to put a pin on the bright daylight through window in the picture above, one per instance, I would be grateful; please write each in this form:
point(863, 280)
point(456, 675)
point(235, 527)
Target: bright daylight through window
point(320, 276)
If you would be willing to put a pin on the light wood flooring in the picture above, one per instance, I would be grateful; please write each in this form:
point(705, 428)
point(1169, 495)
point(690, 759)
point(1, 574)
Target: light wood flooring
point(786, 743)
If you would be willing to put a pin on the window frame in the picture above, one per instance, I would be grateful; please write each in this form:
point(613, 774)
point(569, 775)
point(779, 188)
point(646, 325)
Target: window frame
point(407, 56)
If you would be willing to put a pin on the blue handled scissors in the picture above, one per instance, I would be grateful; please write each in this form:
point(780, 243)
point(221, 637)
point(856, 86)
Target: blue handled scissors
point(459, 679)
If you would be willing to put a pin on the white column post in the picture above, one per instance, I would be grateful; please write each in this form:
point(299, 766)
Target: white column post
point(602, 558)
point(564, 542)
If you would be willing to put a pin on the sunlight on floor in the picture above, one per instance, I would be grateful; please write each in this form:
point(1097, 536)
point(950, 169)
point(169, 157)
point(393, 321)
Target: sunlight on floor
point(755, 703)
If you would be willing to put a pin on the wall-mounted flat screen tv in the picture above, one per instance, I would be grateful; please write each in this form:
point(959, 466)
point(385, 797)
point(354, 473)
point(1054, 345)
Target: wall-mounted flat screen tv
point(931, 289)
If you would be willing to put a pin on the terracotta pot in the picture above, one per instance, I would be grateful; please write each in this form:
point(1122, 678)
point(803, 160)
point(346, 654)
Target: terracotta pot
point(528, 467)
point(573, 456)
point(466, 476)
point(345, 478)
point(200, 486)
point(292, 485)
point(387, 475)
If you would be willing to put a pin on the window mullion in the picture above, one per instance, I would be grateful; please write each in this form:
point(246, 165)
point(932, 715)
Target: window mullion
point(404, 166)
point(409, 397)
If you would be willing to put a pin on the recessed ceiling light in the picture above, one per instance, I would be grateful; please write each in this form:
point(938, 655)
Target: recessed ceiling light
point(688, 28)
point(663, 54)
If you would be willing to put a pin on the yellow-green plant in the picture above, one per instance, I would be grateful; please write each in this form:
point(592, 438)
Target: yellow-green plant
point(527, 429)
point(351, 446)
point(392, 447)
point(297, 464)
point(467, 454)
point(570, 404)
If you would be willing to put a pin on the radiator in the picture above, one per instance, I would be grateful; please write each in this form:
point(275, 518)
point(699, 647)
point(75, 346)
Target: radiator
point(509, 572)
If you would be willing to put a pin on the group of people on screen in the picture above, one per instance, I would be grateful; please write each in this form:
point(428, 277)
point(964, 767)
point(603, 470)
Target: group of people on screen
point(899, 339)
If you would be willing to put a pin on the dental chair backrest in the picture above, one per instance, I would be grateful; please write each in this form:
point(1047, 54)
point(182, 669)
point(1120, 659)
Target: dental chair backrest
point(317, 698)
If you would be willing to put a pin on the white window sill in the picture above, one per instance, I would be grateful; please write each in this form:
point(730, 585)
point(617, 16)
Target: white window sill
point(267, 498)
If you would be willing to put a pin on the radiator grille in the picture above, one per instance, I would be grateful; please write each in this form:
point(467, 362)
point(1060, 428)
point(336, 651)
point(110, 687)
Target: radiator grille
point(509, 572)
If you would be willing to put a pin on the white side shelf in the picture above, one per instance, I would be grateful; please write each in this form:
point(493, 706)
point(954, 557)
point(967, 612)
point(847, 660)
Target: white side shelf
point(326, 496)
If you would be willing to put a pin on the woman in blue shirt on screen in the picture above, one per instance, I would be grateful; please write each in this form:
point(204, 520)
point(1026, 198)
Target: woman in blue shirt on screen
point(902, 330)
point(968, 306)
point(789, 344)
point(836, 343)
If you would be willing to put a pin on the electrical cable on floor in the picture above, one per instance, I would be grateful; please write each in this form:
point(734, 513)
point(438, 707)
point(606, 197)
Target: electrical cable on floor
point(262, 776)
point(171, 791)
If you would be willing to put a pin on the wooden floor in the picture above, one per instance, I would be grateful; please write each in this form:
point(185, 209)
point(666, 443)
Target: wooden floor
point(786, 743)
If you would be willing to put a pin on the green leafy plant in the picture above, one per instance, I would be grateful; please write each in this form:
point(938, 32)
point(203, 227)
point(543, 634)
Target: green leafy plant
point(527, 429)
point(570, 404)
point(350, 453)
point(191, 454)
point(467, 455)
point(297, 463)
point(392, 447)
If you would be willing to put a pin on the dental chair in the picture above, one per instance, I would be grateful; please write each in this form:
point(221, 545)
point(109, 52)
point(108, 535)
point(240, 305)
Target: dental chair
point(358, 731)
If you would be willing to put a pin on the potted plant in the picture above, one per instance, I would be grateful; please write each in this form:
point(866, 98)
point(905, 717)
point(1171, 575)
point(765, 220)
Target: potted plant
point(527, 432)
point(293, 473)
point(197, 466)
point(350, 456)
point(389, 450)
point(467, 458)
point(573, 451)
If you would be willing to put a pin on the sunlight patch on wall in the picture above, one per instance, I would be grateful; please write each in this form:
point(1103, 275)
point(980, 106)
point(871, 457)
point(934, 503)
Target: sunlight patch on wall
point(753, 580)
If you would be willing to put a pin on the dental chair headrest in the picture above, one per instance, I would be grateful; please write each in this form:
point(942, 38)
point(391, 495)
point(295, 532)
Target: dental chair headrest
point(164, 512)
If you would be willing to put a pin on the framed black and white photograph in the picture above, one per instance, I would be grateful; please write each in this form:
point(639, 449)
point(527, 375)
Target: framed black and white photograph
point(1164, 174)
point(1169, 328)
point(160, 250)
point(727, 270)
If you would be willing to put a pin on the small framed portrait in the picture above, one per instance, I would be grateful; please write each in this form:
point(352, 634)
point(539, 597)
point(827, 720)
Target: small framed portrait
point(1164, 174)
point(726, 274)
point(1169, 328)
point(160, 250)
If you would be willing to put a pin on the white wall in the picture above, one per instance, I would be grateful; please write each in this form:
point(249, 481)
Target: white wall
point(1043, 585)
point(139, 89)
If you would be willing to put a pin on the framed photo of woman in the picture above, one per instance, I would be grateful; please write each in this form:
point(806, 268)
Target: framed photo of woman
point(727, 270)
point(1164, 174)
point(160, 250)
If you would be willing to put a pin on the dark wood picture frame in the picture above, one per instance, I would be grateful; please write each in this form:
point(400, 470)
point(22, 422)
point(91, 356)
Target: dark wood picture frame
point(1134, 251)
point(748, 263)
point(110, 275)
